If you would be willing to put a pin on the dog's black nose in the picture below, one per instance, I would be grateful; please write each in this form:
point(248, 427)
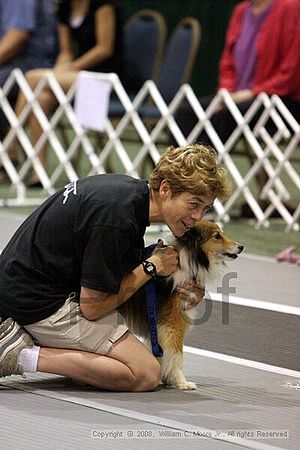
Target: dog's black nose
point(241, 248)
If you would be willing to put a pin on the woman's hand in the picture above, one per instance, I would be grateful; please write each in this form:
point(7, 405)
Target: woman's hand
point(165, 258)
point(241, 96)
point(192, 293)
point(69, 66)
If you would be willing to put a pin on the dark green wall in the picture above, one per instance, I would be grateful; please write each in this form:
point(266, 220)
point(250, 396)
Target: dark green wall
point(213, 16)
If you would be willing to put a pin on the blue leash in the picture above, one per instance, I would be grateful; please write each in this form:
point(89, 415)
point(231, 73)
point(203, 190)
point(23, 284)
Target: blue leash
point(152, 310)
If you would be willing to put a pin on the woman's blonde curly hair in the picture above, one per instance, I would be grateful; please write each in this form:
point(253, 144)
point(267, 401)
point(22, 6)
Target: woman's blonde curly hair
point(192, 168)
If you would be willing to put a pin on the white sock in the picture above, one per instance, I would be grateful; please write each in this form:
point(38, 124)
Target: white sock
point(28, 358)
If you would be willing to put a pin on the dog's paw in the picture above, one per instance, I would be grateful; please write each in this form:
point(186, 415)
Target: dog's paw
point(186, 386)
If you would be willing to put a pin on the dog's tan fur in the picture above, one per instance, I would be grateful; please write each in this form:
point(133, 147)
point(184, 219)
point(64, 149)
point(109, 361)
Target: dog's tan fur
point(202, 252)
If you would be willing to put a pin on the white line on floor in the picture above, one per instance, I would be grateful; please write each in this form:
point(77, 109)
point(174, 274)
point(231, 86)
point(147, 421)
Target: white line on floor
point(161, 421)
point(242, 362)
point(259, 304)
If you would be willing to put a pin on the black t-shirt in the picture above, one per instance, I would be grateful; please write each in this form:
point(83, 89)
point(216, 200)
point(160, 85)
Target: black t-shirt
point(88, 234)
point(84, 36)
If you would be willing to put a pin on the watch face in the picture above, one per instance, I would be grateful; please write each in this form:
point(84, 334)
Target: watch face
point(149, 268)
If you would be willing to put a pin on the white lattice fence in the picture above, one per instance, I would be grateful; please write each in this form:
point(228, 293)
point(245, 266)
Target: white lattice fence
point(273, 154)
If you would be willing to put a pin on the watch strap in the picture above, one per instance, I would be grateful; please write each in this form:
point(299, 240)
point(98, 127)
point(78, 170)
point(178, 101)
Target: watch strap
point(149, 268)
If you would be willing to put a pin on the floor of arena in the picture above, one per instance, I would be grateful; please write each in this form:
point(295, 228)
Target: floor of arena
point(244, 360)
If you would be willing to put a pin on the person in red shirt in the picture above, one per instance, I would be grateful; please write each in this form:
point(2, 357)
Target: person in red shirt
point(276, 49)
point(261, 54)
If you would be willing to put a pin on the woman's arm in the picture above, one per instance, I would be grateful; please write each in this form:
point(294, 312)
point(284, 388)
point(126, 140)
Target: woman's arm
point(105, 20)
point(94, 304)
point(283, 80)
point(65, 55)
point(12, 43)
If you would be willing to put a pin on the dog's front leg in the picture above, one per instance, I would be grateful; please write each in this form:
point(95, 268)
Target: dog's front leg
point(171, 340)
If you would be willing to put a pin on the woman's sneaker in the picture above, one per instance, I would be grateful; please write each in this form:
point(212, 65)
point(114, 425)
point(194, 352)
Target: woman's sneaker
point(13, 338)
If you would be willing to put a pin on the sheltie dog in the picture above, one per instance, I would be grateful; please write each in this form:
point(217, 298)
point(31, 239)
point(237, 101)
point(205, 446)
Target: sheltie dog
point(203, 250)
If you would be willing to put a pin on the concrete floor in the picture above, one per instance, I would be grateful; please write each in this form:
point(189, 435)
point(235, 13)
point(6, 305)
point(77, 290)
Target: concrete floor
point(244, 359)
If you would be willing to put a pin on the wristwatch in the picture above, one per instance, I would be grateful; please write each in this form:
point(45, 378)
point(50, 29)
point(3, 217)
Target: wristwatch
point(149, 269)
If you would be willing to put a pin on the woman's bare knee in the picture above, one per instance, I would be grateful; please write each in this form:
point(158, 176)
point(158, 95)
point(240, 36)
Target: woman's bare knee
point(143, 366)
point(46, 97)
point(34, 76)
point(148, 377)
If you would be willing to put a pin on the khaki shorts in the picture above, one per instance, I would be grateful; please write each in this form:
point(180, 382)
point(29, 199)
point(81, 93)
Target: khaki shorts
point(67, 328)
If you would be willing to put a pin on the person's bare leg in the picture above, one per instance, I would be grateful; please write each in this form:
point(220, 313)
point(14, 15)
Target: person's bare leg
point(128, 366)
point(47, 102)
point(33, 78)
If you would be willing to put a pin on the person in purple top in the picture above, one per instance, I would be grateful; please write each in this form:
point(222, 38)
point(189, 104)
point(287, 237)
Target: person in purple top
point(245, 53)
point(261, 54)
